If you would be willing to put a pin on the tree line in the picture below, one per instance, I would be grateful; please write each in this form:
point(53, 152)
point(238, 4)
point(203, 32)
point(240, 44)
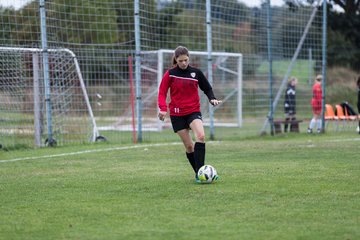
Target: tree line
point(113, 27)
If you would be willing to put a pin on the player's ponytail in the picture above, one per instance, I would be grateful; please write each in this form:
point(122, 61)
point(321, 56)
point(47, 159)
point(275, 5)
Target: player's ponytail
point(174, 60)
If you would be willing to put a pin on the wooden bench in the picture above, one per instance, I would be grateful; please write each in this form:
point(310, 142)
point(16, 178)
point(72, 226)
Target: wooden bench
point(293, 125)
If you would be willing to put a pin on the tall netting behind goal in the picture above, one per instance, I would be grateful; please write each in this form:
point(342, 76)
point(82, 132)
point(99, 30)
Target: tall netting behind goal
point(117, 44)
point(24, 118)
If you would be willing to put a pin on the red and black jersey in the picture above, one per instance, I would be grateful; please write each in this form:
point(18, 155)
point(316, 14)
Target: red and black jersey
point(317, 94)
point(316, 101)
point(184, 95)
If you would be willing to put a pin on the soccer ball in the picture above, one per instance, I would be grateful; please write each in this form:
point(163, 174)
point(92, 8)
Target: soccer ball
point(207, 174)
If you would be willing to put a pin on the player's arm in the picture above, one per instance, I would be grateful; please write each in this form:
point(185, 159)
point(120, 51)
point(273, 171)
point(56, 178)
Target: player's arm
point(163, 89)
point(207, 89)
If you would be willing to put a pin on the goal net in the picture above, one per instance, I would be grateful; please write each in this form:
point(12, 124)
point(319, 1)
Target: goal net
point(23, 119)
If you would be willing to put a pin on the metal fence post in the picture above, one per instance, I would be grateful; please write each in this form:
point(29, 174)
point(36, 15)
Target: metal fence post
point(138, 69)
point(209, 63)
point(324, 43)
point(45, 61)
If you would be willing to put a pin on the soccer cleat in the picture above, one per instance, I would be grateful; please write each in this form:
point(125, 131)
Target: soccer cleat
point(197, 180)
point(216, 177)
point(319, 130)
point(309, 130)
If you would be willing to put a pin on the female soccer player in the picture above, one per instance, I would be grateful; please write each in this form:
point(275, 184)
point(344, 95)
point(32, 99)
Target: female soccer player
point(316, 104)
point(183, 81)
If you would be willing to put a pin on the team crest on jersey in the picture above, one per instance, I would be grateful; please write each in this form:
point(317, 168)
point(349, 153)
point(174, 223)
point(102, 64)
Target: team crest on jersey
point(193, 74)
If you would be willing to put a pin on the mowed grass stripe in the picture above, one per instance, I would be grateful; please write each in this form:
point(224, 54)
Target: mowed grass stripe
point(290, 188)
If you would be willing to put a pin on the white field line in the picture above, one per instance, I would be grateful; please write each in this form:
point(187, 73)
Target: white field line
point(344, 140)
point(90, 151)
point(127, 148)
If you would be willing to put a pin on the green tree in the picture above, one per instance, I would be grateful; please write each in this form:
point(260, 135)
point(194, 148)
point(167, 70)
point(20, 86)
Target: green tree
point(340, 51)
point(344, 26)
point(20, 27)
point(343, 37)
point(7, 15)
point(350, 7)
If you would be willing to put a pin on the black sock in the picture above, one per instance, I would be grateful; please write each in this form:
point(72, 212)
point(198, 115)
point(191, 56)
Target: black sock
point(292, 124)
point(199, 155)
point(190, 157)
point(286, 124)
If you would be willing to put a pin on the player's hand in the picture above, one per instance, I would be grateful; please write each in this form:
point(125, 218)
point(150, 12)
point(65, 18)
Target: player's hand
point(162, 115)
point(215, 102)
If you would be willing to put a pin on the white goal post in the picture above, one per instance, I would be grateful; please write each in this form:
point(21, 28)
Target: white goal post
point(22, 101)
point(227, 82)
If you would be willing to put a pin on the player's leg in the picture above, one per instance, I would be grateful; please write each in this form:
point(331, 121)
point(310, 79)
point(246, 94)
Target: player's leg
point(311, 125)
point(314, 121)
point(293, 126)
point(181, 127)
point(199, 148)
point(315, 109)
point(286, 124)
point(185, 137)
point(318, 123)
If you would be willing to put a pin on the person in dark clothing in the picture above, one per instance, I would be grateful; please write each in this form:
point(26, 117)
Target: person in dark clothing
point(358, 101)
point(290, 103)
point(348, 109)
point(183, 81)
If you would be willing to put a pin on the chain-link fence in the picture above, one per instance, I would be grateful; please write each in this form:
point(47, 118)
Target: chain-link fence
point(109, 38)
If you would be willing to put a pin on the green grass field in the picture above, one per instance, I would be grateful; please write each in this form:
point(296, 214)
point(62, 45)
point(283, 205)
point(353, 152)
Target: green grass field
point(294, 186)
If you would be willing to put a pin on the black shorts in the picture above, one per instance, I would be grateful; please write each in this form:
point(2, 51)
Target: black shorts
point(183, 122)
